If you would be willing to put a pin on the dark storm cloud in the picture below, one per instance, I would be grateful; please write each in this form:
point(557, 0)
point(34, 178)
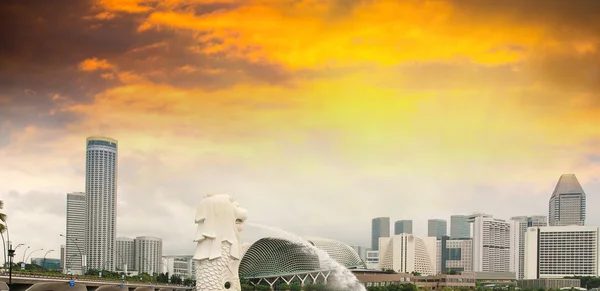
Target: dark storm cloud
point(583, 15)
point(48, 39)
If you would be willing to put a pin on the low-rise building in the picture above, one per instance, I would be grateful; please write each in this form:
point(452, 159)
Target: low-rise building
point(181, 266)
point(372, 260)
point(548, 284)
point(465, 279)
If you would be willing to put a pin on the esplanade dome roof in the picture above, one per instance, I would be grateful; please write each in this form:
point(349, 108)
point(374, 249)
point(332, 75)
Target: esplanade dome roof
point(272, 256)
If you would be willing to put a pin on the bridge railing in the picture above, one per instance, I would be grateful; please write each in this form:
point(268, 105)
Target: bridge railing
point(132, 279)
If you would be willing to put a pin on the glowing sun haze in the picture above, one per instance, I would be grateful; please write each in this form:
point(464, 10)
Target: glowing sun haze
point(315, 115)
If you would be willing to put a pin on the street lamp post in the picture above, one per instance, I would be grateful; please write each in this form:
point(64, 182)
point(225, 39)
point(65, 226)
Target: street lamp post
point(31, 254)
point(44, 259)
point(25, 253)
point(122, 260)
point(74, 241)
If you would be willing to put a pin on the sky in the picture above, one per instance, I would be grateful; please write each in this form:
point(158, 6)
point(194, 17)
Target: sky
point(315, 115)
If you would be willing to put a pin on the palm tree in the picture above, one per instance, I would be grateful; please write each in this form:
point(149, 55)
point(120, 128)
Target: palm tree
point(3, 227)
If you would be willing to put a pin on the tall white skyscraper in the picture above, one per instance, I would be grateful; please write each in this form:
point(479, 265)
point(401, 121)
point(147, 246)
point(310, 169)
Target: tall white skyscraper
point(125, 254)
point(491, 244)
point(518, 228)
point(101, 191)
point(460, 226)
point(75, 233)
point(148, 254)
point(567, 203)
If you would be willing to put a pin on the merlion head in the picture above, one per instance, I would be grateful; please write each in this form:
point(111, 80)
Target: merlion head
point(219, 220)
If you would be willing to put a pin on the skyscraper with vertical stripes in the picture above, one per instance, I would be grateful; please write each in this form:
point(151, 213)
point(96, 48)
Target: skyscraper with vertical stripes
point(75, 233)
point(101, 194)
point(567, 203)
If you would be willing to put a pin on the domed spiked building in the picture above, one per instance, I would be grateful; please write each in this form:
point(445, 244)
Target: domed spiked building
point(281, 261)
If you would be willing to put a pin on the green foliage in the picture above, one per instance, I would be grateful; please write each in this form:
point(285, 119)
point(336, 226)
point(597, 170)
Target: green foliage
point(189, 282)
point(284, 287)
point(395, 287)
point(295, 287)
point(415, 273)
point(589, 282)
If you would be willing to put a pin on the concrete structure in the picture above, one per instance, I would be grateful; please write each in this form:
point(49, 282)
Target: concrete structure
point(371, 278)
point(454, 255)
point(548, 284)
point(495, 278)
point(101, 194)
point(460, 226)
point(437, 228)
point(380, 227)
point(148, 254)
point(75, 251)
point(403, 226)
point(518, 228)
point(567, 204)
point(182, 266)
point(125, 252)
point(406, 253)
point(372, 260)
point(491, 243)
point(361, 251)
point(561, 251)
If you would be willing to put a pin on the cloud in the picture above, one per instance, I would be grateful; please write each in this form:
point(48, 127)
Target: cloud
point(94, 64)
point(332, 111)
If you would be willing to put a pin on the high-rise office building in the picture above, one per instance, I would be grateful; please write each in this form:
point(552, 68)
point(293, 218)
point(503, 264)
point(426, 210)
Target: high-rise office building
point(101, 192)
point(75, 258)
point(403, 226)
point(380, 227)
point(148, 254)
point(437, 228)
point(125, 254)
point(491, 243)
point(460, 226)
point(561, 251)
point(567, 203)
point(518, 228)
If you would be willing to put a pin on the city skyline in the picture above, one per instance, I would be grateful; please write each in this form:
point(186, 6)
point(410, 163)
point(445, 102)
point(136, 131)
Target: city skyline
point(459, 108)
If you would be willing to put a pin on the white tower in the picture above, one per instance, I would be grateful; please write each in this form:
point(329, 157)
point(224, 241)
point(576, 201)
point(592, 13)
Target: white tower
point(101, 191)
point(74, 259)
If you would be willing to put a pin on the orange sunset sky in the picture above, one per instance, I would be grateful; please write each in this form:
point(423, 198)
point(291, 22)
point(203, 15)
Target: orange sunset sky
point(316, 115)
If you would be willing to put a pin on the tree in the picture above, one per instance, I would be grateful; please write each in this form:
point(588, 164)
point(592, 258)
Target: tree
point(283, 287)
point(295, 287)
point(3, 227)
point(2, 218)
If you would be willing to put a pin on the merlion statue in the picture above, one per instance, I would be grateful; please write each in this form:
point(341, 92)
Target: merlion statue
point(219, 251)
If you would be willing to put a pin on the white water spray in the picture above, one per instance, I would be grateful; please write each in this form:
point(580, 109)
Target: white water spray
point(343, 277)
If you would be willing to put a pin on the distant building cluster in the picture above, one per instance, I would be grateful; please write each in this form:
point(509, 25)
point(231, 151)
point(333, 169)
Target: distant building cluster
point(90, 238)
point(528, 247)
